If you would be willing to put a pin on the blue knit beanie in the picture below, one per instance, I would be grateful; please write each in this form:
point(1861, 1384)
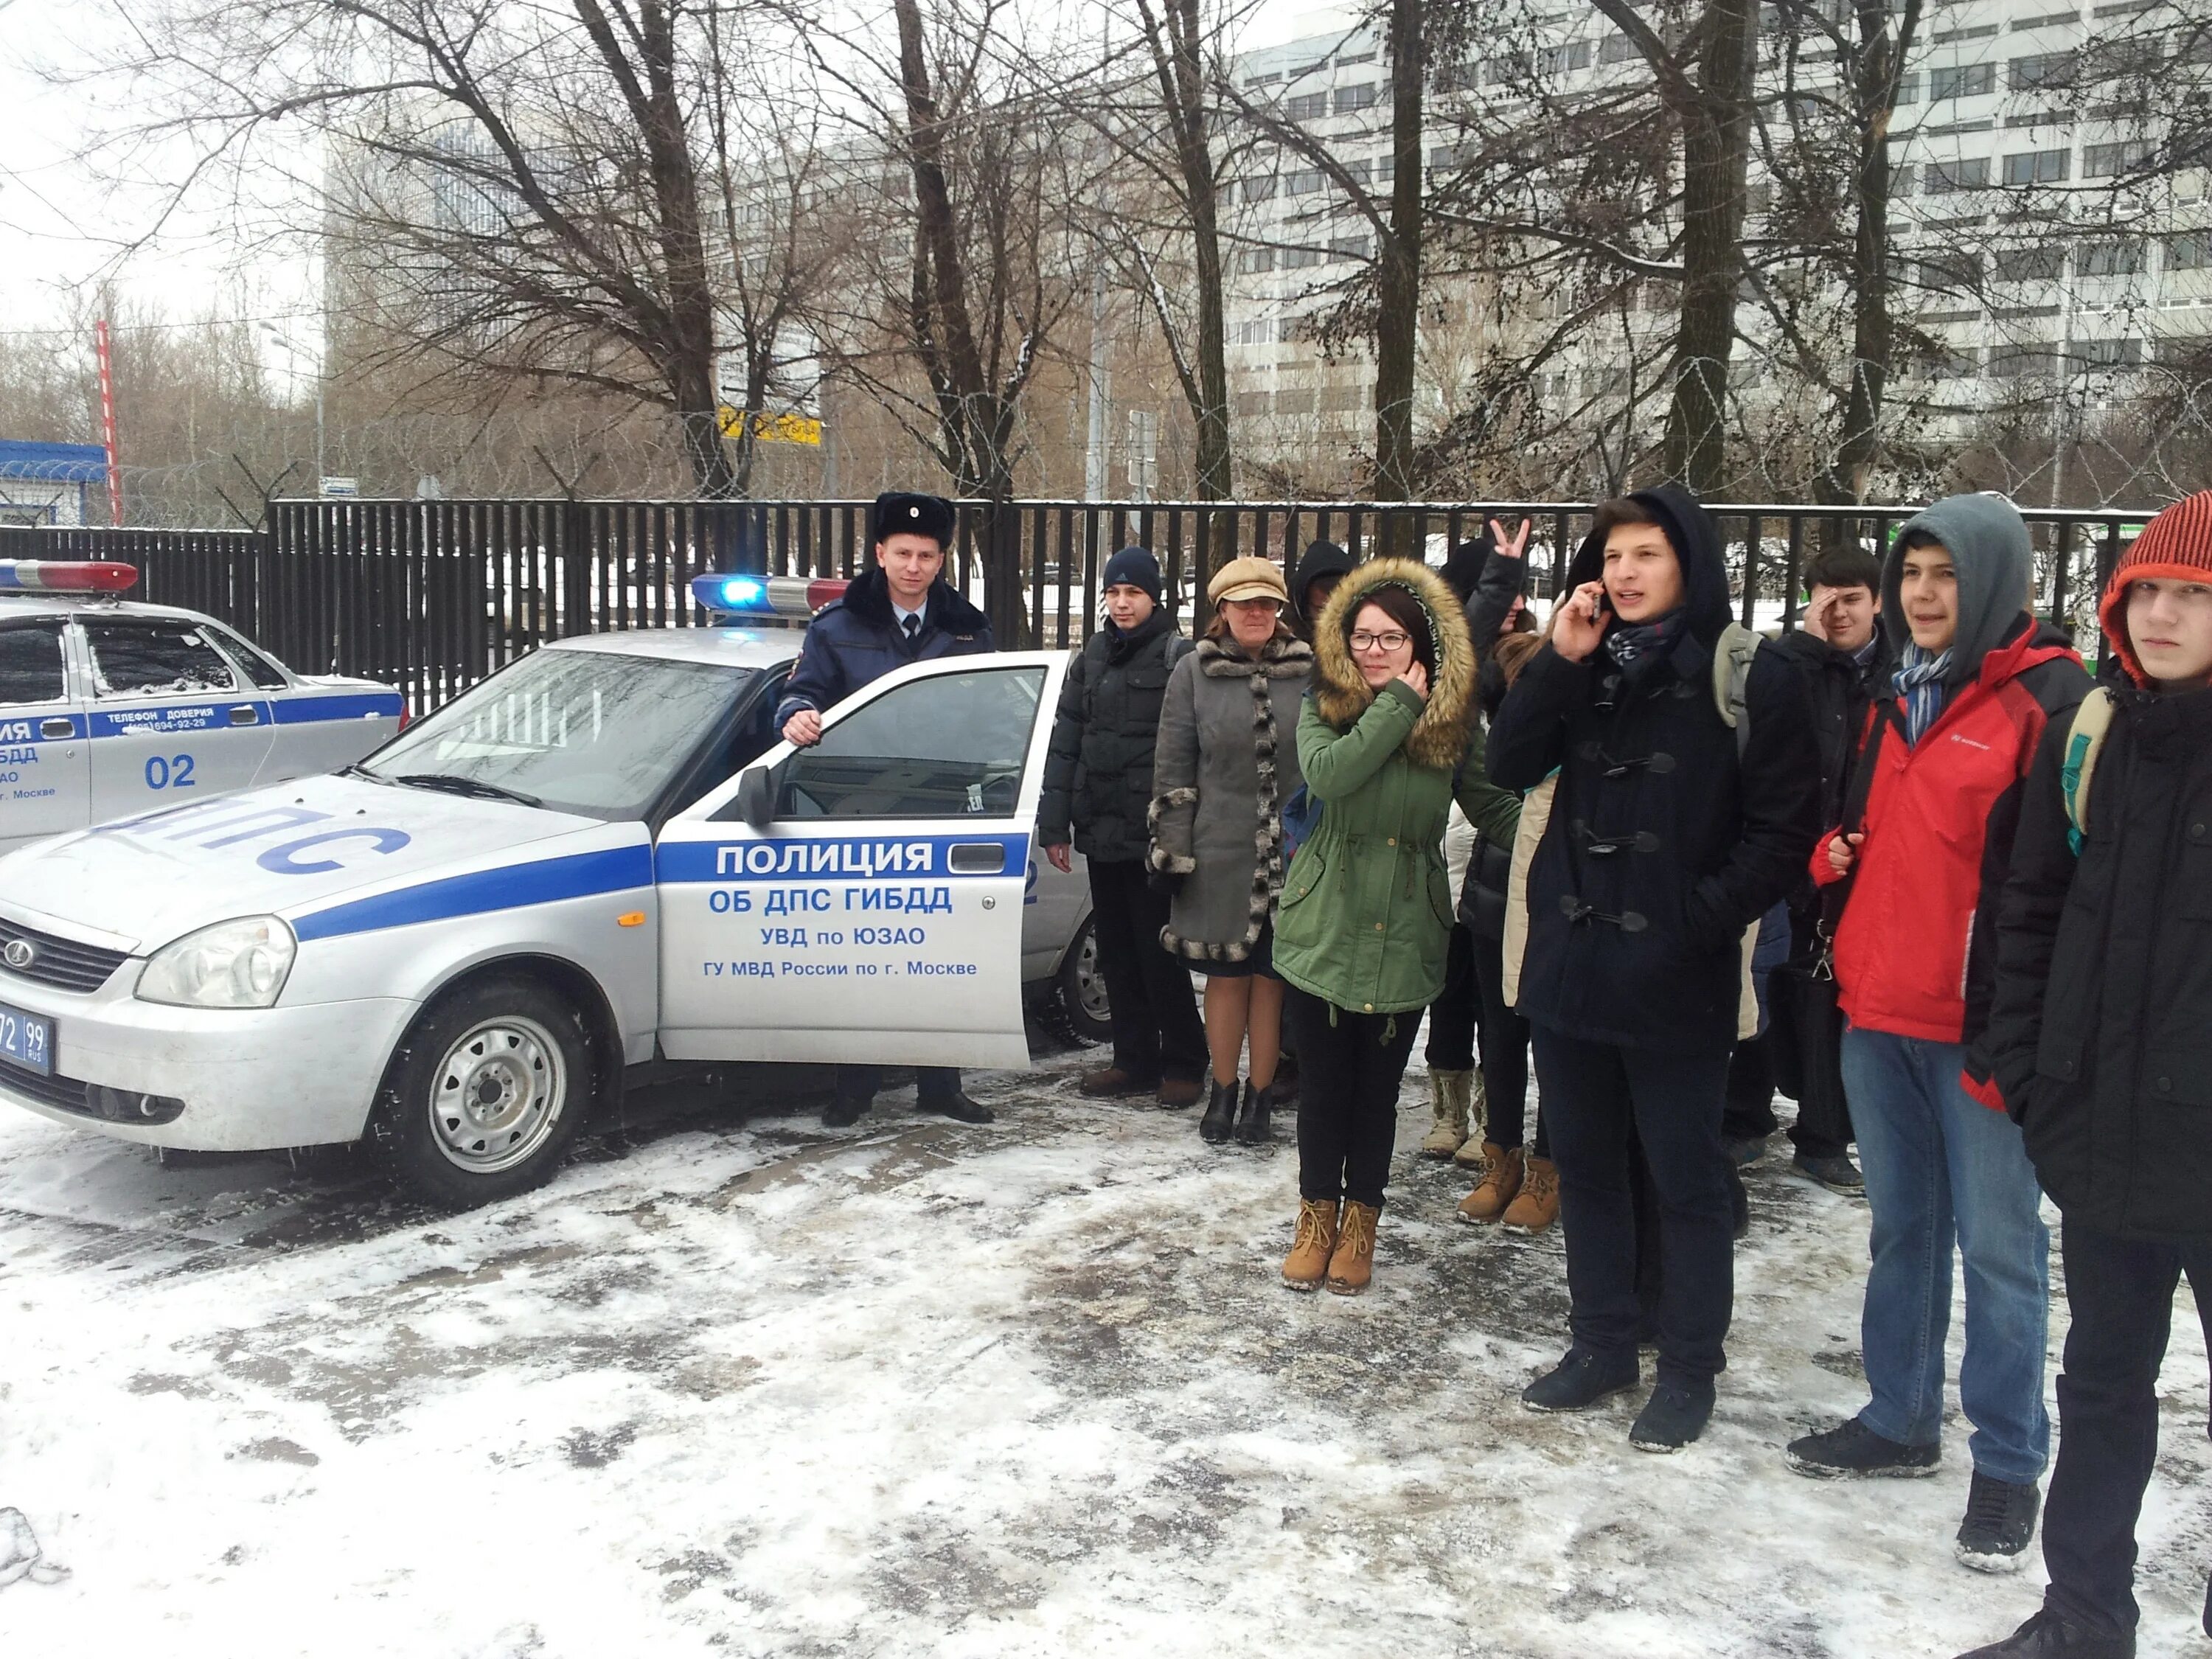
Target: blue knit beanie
point(1135, 565)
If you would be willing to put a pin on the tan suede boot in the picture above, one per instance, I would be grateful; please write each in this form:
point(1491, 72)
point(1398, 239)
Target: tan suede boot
point(1538, 1206)
point(1352, 1266)
point(1470, 1154)
point(1499, 1186)
point(1303, 1267)
point(1449, 1092)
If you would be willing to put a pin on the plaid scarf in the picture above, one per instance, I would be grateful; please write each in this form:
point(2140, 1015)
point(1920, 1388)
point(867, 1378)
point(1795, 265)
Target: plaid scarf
point(1636, 646)
point(1920, 682)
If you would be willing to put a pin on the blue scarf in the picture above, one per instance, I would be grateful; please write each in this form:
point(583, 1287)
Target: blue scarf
point(1920, 682)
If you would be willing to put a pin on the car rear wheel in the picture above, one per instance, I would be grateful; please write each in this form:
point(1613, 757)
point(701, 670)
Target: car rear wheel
point(485, 1094)
point(1083, 999)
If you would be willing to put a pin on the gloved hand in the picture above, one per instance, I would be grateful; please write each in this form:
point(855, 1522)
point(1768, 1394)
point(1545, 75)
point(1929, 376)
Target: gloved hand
point(1166, 882)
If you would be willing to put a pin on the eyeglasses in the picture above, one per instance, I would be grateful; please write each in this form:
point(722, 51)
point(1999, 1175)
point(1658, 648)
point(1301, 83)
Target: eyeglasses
point(1363, 641)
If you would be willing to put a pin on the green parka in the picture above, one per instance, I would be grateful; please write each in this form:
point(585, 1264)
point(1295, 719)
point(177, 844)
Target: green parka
point(1367, 909)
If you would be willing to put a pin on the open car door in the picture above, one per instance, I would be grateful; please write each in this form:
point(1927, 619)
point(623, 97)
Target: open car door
point(861, 900)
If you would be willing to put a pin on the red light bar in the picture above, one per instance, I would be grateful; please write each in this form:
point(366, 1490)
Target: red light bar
point(64, 576)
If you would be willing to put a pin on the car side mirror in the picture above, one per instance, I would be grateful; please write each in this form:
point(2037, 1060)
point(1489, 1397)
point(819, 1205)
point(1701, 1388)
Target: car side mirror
point(757, 796)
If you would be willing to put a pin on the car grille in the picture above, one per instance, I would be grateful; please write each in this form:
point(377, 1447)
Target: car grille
point(61, 962)
point(66, 1093)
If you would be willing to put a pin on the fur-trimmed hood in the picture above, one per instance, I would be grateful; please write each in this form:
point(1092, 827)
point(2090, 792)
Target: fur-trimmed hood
point(1341, 695)
point(1285, 657)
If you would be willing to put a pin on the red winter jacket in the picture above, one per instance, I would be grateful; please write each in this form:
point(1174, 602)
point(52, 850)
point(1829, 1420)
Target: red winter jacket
point(1916, 950)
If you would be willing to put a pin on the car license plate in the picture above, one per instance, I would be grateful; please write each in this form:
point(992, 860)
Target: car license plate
point(26, 1041)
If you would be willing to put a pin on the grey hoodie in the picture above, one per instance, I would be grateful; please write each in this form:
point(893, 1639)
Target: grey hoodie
point(1987, 539)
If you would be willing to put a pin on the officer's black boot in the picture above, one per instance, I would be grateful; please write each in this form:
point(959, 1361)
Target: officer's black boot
point(1253, 1120)
point(845, 1110)
point(1220, 1119)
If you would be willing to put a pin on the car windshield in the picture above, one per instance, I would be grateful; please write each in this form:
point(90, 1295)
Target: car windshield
point(586, 731)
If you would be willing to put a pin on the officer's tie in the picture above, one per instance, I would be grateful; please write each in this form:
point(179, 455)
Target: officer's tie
point(913, 629)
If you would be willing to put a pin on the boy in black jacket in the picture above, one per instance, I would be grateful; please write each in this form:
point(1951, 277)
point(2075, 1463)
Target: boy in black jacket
point(2100, 1044)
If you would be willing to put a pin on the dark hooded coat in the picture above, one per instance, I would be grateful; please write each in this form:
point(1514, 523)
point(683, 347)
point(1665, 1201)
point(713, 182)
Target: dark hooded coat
point(856, 640)
point(1320, 559)
point(1098, 772)
point(1661, 848)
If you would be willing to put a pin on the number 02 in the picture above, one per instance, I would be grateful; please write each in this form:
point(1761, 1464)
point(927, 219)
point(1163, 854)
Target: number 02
point(175, 772)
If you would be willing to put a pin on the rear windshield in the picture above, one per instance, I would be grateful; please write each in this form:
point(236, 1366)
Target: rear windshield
point(582, 730)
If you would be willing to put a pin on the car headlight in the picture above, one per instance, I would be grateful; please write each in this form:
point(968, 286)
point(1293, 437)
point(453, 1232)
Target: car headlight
point(233, 964)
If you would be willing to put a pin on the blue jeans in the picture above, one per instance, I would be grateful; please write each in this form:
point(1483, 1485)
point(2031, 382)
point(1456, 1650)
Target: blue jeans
point(1943, 1169)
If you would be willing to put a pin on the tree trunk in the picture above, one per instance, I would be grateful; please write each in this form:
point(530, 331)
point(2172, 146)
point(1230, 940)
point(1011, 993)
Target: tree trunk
point(1715, 150)
point(1195, 154)
point(1398, 269)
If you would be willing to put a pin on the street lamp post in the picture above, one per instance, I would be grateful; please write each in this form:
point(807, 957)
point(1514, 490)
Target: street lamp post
point(322, 468)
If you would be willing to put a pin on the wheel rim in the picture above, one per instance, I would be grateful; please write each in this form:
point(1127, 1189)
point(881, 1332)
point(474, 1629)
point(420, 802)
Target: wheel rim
point(1089, 983)
point(499, 1093)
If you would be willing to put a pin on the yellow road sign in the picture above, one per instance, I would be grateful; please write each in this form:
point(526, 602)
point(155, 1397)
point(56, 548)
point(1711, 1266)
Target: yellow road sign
point(772, 428)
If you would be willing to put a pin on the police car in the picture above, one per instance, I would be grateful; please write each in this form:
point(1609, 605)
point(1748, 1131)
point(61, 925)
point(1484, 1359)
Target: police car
point(108, 707)
point(601, 858)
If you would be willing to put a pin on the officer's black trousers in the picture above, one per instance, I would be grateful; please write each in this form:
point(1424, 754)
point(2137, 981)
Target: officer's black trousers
point(860, 1083)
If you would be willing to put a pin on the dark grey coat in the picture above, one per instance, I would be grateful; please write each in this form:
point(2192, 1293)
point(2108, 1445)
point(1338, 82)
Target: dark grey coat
point(1227, 761)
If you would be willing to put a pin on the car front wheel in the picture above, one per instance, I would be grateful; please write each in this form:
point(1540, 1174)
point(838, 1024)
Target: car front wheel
point(1083, 998)
point(484, 1095)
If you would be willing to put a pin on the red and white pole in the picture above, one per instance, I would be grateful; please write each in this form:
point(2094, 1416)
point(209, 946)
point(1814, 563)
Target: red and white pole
point(107, 422)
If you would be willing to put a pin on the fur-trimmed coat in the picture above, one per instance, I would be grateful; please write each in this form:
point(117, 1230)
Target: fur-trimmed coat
point(1366, 914)
point(1224, 764)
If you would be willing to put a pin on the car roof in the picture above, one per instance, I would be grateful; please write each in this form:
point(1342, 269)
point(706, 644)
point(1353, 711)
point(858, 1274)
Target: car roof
point(13, 607)
point(728, 647)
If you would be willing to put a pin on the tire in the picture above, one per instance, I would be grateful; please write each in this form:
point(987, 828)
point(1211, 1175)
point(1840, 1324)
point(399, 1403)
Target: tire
point(525, 1056)
point(1081, 989)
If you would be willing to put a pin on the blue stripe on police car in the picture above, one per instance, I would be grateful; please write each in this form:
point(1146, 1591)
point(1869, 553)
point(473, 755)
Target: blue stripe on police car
point(509, 887)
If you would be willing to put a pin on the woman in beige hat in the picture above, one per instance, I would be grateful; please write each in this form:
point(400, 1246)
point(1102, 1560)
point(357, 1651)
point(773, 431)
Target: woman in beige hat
point(1227, 761)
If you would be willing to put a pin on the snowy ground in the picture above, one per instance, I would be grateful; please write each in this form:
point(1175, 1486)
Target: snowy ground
point(918, 1389)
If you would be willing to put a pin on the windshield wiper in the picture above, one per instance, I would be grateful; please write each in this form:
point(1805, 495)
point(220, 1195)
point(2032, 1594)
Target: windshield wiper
point(355, 769)
point(474, 786)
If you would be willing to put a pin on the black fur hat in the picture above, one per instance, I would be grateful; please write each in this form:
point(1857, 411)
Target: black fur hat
point(903, 512)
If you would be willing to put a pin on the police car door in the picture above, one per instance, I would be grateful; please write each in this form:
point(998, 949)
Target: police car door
point(170, 721)
point(44, 776)
point(872, 912)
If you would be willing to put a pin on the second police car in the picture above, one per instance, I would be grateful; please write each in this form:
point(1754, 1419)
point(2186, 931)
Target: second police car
point(601, 857)
point(109, 707)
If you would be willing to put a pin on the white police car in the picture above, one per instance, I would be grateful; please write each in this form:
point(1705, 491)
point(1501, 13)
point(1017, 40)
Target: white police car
point(108, 707)
point(459, 947)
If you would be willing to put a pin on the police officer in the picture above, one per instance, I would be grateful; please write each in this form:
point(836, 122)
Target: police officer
point(899, 611)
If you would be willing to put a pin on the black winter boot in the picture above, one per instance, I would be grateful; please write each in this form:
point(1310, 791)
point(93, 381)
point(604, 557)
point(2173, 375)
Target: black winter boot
point(2047, 1636)
point(1579, 1382)
point(1675, 1415)
point(1255, 1121)
point(1220, 1119)
point(2000, 1523)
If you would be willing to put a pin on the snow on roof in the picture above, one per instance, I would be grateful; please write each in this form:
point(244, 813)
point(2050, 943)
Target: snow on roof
point(24, 458)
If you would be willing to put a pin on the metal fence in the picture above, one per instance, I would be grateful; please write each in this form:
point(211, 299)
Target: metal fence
point(432, 596)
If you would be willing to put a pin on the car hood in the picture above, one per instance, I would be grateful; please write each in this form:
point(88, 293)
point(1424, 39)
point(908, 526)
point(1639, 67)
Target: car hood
point(288, 850)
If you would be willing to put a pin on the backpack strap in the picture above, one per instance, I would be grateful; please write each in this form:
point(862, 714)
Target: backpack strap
point(2084, 738)
point(1732, 658)
point(1179, 646)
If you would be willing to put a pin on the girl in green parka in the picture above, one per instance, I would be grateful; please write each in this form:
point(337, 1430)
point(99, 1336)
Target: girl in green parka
point(1386, 738)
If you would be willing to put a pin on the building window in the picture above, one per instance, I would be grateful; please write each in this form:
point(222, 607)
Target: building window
point(2036, 166)
point(1559, 60)
point(1946, 178)
point(1350, 100)
point(1336, 400)
point(1297, 258)
point(1251, 261)
point(1962, 81)
point(1261, 80)
point(1252, 402)
point(2031, 265)
point(2190, 253)
point(2111, 161)
point(1908, 89)
point(2111, 259)
point(1303, 183)
point(1499, 71)
point(1263, 331)
point(1617, 49)
point(1307, 106)
point(2108, 354)
point(1350, 247)
point(2049, 69)
point(1961, 365)
point(1259, 189)
point(1951, 273)
point(2039, 362)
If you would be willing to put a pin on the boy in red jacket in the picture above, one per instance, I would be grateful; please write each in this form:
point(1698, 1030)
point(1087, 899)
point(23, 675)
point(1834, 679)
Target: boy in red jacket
point(2100, 1044)
point(1939, 781)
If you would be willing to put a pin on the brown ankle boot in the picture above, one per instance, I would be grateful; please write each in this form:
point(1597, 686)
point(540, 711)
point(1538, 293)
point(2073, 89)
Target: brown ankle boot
point(1352, 1264)
point(1499, 1186)
point(1538, 1206)
point(1309, 1251)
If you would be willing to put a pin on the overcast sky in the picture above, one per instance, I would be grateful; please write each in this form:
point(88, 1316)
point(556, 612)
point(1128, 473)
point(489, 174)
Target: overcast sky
point(61, 230)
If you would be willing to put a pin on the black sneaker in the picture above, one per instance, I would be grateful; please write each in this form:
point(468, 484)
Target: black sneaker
point(844, 1112)
point(1672, 1417)
point(2047, 1636)
point(1838, 1174)
point(1579, 1382)
point(1999, 1525)
point(956, 1106)
point(1852, 1449)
